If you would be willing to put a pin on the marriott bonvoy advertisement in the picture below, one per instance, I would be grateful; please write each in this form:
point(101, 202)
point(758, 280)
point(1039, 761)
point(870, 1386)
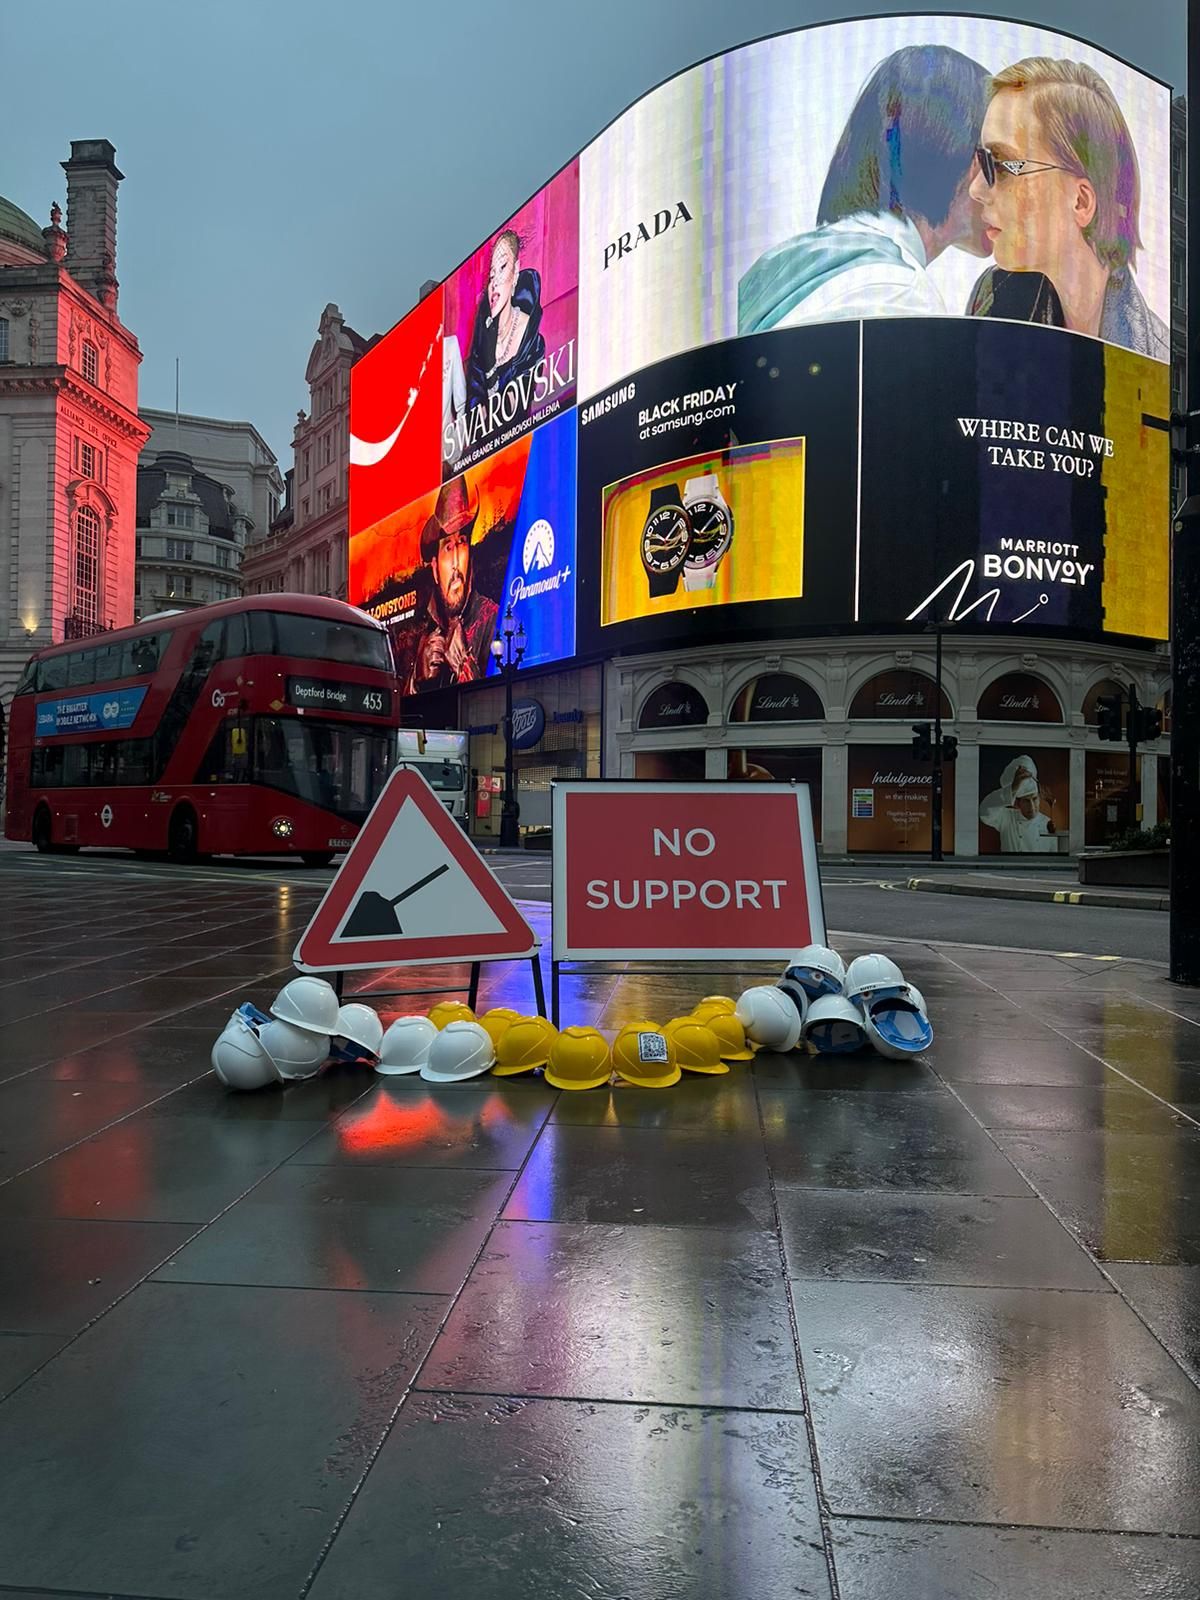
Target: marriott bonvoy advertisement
point(862, 323)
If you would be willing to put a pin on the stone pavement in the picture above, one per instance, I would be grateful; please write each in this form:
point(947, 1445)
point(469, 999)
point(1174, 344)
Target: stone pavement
point(813, 1328)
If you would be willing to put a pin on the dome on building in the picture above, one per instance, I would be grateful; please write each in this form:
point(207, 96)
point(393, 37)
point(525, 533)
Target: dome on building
point(217, 501)
point(19, 227)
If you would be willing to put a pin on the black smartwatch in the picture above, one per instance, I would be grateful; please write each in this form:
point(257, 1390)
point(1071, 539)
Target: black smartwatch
point(666, 537)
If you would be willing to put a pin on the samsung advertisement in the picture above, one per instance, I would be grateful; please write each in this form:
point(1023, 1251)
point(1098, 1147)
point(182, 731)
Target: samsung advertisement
point(861, 324)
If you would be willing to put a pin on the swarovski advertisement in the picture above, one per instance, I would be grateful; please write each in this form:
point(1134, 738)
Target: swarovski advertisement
point(723, 477)
point(508, 359)
point(442, 571)
point(898, 166)
point(1035, 469)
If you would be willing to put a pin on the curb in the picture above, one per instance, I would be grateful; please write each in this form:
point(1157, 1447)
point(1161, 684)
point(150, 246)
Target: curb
point(1058, 897)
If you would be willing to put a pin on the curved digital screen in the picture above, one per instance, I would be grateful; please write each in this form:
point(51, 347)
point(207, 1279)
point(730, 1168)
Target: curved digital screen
point(863, 324)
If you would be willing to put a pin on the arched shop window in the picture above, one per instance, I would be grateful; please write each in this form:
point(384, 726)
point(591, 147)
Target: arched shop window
point(1106, 686)
point(777, 697)
point(901, 693)
point(673, 705)
point(1019, 697)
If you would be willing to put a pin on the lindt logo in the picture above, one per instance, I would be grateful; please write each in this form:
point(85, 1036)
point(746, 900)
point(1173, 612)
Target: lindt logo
point(1009, 702)
point(887, 698)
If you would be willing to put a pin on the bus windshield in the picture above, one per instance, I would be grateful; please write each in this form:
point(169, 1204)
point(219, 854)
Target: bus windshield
point(338, 766)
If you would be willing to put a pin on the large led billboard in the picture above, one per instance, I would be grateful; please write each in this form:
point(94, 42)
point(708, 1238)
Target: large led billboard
point(862, 324)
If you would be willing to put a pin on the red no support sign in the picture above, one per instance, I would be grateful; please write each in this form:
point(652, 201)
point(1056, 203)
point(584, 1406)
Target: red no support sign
point(684, 871)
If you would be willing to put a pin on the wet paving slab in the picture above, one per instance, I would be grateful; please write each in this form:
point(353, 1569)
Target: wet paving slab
point(810, 1327)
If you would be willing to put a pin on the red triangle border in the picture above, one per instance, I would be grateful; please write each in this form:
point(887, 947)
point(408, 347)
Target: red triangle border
point(319, 951)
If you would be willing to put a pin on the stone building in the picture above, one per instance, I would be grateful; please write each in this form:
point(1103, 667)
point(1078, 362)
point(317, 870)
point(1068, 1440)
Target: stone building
point(304, 552)
point(190, 536)
point(69, 426)
point(234, 453)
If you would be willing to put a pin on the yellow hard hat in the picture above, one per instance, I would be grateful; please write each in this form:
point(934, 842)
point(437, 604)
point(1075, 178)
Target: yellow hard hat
point(697, 1048)
point(646, 1056)
point(450, 1011)
point(496, 1021)
point(713, 1005)
point(524, 1045)
point(731, 1037)
point(579, 1059)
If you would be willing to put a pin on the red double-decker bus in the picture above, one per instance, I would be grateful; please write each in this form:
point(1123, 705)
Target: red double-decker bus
point(255, 726)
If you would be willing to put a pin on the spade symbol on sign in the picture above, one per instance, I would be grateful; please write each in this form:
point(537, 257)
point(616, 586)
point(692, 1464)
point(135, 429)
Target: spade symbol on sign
point(374, 915)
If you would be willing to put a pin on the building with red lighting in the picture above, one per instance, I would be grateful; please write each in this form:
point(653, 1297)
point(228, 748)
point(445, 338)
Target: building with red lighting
point(69, 427)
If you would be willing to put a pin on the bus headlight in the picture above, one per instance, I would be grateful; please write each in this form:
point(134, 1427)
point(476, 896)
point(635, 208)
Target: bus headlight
point(283, 827)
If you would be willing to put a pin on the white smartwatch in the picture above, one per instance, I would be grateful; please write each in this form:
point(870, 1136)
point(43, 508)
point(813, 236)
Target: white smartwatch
point(712, 530)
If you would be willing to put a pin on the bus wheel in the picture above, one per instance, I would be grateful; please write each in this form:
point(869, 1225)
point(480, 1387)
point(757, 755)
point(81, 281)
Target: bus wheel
point(316, 858)
point(41, 831)
point(183, 837)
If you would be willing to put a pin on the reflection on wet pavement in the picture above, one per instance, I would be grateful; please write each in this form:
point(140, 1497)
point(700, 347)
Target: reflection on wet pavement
point(366, 1336)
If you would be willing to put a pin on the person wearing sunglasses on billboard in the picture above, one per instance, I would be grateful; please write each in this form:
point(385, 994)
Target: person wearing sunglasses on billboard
point(1058, 189)
point(895, 197)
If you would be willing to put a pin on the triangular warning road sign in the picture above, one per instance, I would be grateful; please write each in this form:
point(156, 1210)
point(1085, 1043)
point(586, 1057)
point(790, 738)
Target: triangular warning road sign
point(413, 890)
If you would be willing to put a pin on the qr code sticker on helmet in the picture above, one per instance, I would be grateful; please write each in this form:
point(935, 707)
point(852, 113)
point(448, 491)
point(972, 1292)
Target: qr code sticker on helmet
point(652, 1047)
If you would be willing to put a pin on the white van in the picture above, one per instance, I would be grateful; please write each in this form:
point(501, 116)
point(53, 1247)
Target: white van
point(440, 756)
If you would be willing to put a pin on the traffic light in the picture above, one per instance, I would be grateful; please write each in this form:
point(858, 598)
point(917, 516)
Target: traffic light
point(1108, 716)
point(922, 745)
point(949, 747)
point(1149, 723)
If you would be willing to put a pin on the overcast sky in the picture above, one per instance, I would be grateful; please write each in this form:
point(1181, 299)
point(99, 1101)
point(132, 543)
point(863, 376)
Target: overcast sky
point(280, 154)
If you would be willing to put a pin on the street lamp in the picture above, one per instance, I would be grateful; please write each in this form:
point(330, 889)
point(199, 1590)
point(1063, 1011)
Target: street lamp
point(508, 650)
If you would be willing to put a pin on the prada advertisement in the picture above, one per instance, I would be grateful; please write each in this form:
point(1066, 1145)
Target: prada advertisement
point(724, 478)
point(1011, 476)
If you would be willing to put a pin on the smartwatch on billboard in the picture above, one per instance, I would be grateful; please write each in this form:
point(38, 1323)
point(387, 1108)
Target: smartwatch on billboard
point(665, 539)
point(712, 531)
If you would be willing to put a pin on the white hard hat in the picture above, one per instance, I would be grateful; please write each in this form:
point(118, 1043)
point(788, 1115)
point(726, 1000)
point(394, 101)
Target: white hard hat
point(295, 1052)
point(797, 994)
point(405, 1046)
point(834, 1026)
point(360, 1025)
point(461, 1050)
point(238, 1057)
point(818, 969)
point(868, 974)
point(897, 1025)
point(769, 1017)
point(309, 1003)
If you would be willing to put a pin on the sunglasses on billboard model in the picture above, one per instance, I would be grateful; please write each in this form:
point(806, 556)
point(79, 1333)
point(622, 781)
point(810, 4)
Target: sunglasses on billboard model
point(1017, 166)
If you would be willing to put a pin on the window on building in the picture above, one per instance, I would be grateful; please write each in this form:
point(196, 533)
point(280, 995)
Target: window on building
point(327, 449)
point(137, 547)
point(305, 463)
point(87, 459)
point(321, 570)
point(304, 507)
point(85, 598)
point(181, 516)
point(179, 549)
point(325, 497)
point(90, 362)
point(3, 339)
